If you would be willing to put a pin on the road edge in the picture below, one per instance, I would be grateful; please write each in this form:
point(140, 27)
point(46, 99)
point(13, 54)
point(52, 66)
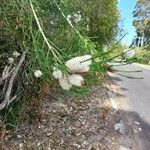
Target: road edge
point(116, 108)
point(142, 65)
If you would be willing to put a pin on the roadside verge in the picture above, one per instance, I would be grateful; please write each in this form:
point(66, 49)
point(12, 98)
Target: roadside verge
point(143, 66)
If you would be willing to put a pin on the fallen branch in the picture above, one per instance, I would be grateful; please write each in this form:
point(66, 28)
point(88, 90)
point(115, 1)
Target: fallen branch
point(6, 73)
point(7, 98)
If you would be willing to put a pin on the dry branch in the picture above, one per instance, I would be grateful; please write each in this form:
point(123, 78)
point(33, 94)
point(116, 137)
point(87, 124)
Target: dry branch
point(7, 99)
point(6, 73)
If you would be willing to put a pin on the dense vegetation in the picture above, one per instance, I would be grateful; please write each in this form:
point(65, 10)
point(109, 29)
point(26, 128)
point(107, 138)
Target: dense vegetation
point(37, 40)
point(142, 18)
point(142, 25)
point(143, 56)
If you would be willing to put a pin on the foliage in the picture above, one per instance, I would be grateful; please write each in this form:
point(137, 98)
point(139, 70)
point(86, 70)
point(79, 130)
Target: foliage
point(143, 56)
point(51, 38)
point(118, 51)
point(99, 18)
point(142, 18)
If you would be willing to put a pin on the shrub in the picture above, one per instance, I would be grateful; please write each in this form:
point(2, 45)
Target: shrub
point(143, 56)
point(53, 32)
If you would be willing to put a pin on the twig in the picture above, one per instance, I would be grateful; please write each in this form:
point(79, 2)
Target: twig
point(39, 26)
point(113, 48)
point(11, 100)
point(69, 22)
point(6, 74)
point(11, 81)
point(51, 48)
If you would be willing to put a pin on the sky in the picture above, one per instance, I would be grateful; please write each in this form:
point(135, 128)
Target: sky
point(127, 7)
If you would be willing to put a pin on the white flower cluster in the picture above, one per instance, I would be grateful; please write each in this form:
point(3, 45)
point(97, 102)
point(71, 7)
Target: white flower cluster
point(76, 17)
point(66, 82)
point(38, 73)
point(76, 66)
point(57, 74)
point(16, 54)
point(11, 59)
point(79, 64)
point(69, 18)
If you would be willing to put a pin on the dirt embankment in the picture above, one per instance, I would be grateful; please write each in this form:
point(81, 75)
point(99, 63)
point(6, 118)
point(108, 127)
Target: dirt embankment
point(69, 124)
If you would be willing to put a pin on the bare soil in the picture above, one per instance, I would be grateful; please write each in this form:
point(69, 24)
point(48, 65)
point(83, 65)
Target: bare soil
point(68, 123)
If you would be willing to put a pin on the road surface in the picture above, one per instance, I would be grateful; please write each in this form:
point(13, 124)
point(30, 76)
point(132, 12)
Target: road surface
point(135, 96)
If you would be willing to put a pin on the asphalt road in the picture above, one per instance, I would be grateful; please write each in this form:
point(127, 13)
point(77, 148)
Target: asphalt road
point(136, 96)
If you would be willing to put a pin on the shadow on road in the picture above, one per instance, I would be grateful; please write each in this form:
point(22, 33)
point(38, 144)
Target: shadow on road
point(123, 89)
point(114, 78)
point(136, 121)
point(141, 129)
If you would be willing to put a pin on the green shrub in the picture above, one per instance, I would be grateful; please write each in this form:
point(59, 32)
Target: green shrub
point(51, 38)
point(143, 56)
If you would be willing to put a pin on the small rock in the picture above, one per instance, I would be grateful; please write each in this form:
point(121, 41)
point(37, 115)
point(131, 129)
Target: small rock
point(124, 148)
point(25, 141)
point(84, 122)
point(41, 126)
point(39, 143)
point(76, 145)
point(48, 134)
point(62, 141)
point(96, 146)
point(120, 126)
point(70, 109)
point(84, 143)
point(21, 146)
point(135, 131)
point(44, 120)
point(19, 136)
point(6, 138)
point(140, 129)
point(78, 134)
point(137, 123)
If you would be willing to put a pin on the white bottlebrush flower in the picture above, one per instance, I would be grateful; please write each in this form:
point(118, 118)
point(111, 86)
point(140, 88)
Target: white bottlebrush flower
point(86, 66)
point(130, 54)
point(86, 62)
point(64, 83)
point(77, 18)
point(57, 73)
point(16, 54)
point(76, 80)
point(73, 64)
point(69, 18)
point(84, 57)
point(75, 15)
point(79, 64)
point(38, 73)
point(10, 60)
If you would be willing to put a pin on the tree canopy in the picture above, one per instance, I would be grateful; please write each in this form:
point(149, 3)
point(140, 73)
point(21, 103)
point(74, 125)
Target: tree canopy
point(141, 16)
point(100, 16)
